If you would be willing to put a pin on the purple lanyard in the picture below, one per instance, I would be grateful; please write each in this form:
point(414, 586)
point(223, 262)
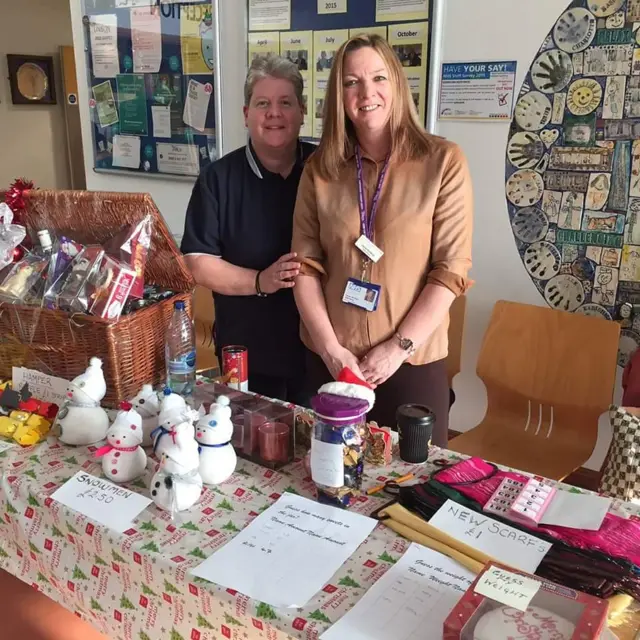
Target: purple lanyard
point(366, 227)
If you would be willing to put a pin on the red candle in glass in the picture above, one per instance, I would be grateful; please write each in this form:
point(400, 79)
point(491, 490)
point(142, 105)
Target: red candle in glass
point(274, 441)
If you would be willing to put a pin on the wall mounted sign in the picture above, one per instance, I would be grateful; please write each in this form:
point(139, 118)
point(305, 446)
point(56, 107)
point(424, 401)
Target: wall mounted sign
point(479, 91)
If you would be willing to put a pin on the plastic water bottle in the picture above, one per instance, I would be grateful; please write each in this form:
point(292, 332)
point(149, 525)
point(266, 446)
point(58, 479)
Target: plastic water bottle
point(180, 352)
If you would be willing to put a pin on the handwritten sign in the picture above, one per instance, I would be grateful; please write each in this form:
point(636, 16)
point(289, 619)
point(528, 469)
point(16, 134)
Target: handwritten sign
point(412, 600)
point(263, 561)
point(507, 587)
point(500, 541)
point(106, 503)
point(4, 445)
point(42, 386)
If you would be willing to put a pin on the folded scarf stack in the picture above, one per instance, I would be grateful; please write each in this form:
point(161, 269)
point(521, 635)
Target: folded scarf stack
point(595, 562)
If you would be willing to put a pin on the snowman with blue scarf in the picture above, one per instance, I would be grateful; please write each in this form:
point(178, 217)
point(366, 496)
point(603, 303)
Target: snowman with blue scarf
point(213, 434)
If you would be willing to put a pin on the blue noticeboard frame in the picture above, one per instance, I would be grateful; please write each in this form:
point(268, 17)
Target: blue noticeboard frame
point(360, 15)
point(187, 149)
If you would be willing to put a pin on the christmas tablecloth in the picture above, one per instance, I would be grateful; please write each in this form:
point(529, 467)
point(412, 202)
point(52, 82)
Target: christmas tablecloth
point(137, 585)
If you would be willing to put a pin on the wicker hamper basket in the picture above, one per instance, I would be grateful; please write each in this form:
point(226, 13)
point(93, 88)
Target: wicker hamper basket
point(60, 343)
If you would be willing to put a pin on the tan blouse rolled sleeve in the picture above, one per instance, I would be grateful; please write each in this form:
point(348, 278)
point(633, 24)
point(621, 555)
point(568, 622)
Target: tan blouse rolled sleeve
point(453, 226)
point(306, 228)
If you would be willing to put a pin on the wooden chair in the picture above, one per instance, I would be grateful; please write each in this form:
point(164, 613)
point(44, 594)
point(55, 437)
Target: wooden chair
point(203, 315)
point(456, 328)
point(549, 376)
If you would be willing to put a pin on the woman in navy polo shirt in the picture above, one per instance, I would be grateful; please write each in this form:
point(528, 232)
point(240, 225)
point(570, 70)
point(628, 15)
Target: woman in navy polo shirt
point(238, 232)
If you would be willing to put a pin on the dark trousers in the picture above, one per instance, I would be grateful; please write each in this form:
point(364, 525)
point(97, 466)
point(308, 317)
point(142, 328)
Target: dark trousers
point(288, 389)
point(425, 384)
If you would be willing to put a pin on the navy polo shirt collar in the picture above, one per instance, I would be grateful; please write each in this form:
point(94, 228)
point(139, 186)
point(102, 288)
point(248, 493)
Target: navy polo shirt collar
point(256, 166)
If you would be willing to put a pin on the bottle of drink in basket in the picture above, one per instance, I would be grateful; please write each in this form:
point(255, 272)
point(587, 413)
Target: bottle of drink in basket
point(180, 352)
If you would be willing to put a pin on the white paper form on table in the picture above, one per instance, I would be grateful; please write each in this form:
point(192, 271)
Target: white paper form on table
point(103, 501)
point(288, 553)
point(576, 510)
point(503, 543)
point(410, 602)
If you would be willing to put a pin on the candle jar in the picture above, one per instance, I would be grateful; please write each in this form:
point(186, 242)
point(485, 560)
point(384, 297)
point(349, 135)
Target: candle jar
point(337, 448)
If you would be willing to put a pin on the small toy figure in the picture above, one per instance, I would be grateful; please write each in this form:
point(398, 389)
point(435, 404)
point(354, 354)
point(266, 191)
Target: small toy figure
point(213, 434)
point(82, 420)
point(123, 459)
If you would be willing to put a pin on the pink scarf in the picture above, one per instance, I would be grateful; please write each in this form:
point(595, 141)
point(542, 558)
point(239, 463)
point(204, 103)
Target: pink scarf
point(617, 537)
point(108, 448)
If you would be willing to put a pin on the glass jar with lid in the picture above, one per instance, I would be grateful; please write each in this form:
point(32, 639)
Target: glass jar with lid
point(337, 448)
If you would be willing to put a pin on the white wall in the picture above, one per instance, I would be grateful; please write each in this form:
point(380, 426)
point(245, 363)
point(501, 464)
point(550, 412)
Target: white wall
point(505, 30)
point(170, 195)
point(33, 137)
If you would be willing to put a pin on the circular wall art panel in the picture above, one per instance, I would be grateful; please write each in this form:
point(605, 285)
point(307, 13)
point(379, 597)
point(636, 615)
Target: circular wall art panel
point(573, 165)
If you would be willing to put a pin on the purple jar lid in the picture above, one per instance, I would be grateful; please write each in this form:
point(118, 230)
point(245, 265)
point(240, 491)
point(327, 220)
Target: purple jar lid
point(328, 405)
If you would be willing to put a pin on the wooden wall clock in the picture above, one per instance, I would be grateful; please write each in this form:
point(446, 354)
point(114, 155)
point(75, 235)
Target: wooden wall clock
point(31, 79)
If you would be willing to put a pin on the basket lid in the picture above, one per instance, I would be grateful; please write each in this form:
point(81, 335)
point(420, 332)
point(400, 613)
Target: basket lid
point(93, 217)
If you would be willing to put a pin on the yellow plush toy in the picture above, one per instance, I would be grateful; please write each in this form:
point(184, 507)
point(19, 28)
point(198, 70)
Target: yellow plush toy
point(7, 426)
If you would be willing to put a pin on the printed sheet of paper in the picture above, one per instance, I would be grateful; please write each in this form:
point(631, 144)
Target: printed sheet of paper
point(104, 45)
point(332, 6)
point(179, 159)
point(381, 31)
point(325, 46)
point(576, 510)
point(4, 445)
point(410, 602)
point(126, 152)
point(161, 122)
point(146, 39)
point(132, 103)
point(42, 386)
point(500, 541)
point(411, 44)
point(107, 503)
point(262, 44)
point(128, 4)
point(196, 105)
point(508, 588)
point(263, 561)
point(397, 10)
point(297, 46)
point(105, 104)
point(269, 15)
point(196, 37)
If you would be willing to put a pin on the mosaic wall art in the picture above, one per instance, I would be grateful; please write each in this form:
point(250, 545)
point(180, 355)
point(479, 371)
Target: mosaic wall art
point(573, 165)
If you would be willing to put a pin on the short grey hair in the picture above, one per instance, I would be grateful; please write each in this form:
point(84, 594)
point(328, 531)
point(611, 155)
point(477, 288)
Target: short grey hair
point(273, 66)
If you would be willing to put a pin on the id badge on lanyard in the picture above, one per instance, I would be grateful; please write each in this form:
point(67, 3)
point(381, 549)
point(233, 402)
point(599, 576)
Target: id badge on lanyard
point(360, 292)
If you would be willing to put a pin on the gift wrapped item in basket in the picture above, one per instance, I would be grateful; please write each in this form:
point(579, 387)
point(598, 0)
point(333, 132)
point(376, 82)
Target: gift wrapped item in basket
point(60, 342)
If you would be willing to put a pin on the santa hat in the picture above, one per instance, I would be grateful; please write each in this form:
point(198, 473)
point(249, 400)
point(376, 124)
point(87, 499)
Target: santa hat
point(91, 383)
point(173, 407)
point(128, 415)
point(349, 385)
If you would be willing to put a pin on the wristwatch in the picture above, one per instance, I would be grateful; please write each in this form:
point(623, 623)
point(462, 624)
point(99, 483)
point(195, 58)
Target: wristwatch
point(406, 344)
point(259, 292)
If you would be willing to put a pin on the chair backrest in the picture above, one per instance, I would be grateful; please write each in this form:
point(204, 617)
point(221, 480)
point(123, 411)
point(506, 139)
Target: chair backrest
point(456, 330)
point(551, 357)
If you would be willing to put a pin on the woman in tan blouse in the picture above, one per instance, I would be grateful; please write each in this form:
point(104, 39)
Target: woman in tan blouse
point(379, 179)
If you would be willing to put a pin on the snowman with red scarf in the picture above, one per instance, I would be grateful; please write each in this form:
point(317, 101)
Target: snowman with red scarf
point(123, 459)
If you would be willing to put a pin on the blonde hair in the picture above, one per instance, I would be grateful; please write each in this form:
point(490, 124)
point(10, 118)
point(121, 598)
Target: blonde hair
point(409, 140)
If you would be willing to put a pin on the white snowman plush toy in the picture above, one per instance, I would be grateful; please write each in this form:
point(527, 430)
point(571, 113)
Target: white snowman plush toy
point(213, 434)
point(123, 459)
point(82, 421)
point(175, 423)
point(177, 485)
point(147, 404)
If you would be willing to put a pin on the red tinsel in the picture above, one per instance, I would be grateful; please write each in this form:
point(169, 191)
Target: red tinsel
point(15, 197)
